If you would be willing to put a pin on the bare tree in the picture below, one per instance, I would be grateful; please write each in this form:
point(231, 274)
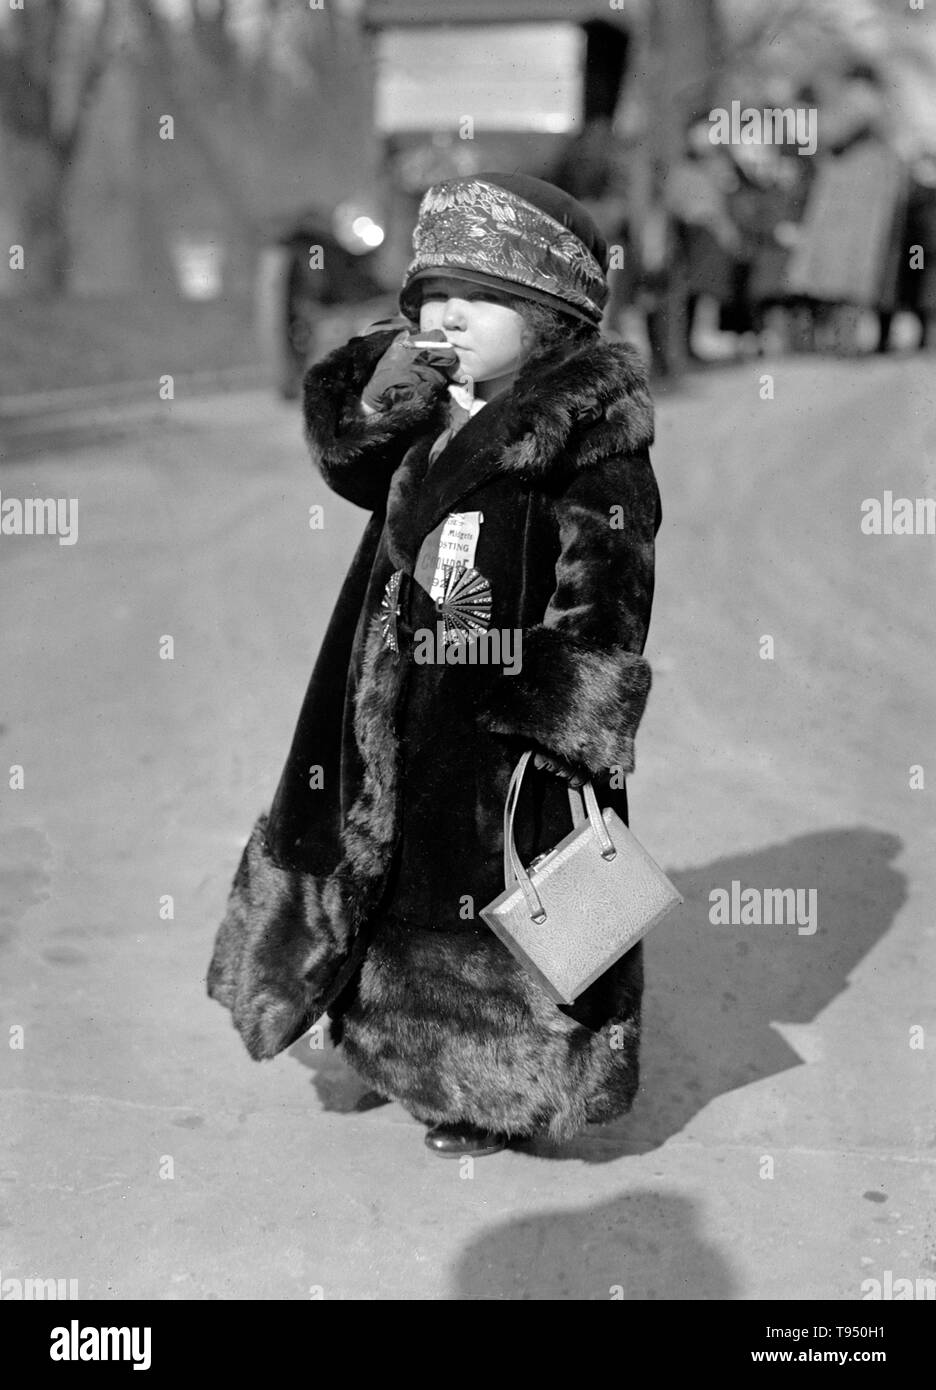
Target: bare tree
point(36, 44)
point(264, 117)
point(198, 99)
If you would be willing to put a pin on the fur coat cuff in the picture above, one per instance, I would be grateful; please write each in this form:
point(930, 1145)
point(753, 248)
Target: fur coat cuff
point(572, 700)
point(583, 682)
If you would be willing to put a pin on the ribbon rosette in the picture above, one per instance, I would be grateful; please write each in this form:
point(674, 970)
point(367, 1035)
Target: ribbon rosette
point(465, 604)
point(390, 611)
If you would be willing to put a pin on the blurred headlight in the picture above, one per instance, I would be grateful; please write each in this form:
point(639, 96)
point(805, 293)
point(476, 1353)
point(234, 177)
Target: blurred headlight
point(368, 230)
point(355, 229)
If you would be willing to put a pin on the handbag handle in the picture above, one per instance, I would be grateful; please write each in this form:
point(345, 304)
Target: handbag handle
point(512, 864)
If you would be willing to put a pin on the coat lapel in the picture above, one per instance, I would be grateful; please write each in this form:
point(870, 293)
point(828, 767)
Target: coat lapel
point(523, 432)
point(421, 495)
point(471, 457)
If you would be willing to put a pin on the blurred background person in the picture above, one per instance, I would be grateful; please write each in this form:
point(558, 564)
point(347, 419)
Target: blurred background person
point(916, 281)
point(766, 206)
point(595, 167)
point(846, 258)
point(707, 243)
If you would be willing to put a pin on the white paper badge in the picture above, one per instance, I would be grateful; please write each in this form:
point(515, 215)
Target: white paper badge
point(457, 545)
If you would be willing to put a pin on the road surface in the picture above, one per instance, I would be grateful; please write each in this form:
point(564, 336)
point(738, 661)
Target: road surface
point(783, 1143)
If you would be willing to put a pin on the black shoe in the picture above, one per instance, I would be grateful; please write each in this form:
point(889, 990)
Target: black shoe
point(452, 1141)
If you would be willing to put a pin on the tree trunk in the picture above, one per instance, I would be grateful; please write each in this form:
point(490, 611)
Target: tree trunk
point(46, 242)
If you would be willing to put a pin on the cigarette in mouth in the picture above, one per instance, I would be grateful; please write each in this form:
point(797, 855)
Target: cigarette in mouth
point(439, 343)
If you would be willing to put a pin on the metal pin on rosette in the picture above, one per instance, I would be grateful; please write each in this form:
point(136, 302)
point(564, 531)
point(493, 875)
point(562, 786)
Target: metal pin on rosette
point(390, 612)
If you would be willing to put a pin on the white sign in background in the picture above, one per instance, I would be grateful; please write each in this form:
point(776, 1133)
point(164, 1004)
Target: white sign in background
point(504, 76)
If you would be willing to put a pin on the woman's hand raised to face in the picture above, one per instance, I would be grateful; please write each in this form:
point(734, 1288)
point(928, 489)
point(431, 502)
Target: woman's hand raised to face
point(409, 370)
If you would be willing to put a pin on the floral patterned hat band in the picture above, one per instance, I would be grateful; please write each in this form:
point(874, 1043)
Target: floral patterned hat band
point(478, 230)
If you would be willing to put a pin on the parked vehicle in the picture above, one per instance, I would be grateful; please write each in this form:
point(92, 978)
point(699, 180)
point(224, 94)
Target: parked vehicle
point(315, 286)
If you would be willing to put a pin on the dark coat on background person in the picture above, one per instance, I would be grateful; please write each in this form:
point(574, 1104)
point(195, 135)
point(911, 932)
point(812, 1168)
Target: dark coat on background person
point(402, 844)
point(917, 284)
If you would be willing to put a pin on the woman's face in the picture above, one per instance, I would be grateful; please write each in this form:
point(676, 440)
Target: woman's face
point(486, 333)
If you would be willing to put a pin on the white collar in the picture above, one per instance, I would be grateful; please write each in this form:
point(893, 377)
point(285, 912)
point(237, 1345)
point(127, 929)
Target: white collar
point(463, 395)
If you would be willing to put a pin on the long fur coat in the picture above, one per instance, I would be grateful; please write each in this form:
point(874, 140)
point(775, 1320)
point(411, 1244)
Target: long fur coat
point(385, 835)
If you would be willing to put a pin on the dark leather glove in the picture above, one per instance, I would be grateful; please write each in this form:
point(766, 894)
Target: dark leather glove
point(404, 374)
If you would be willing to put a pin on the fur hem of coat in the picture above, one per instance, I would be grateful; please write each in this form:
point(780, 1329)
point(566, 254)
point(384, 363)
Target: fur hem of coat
point(278, 949)
point(454, 1028)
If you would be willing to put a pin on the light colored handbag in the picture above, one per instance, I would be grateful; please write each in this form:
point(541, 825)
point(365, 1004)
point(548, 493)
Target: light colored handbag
point(581, 905)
